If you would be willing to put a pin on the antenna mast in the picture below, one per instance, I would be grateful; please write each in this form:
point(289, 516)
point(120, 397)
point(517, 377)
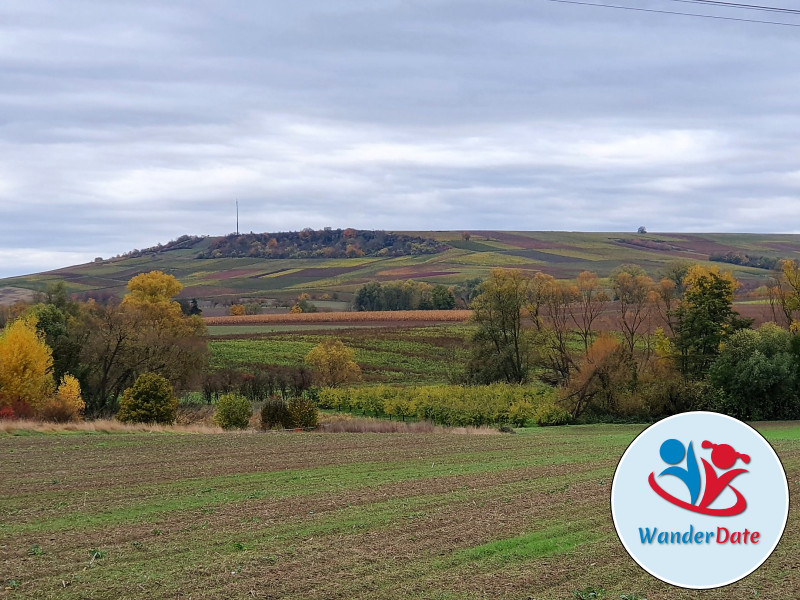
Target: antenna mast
point(237, 217)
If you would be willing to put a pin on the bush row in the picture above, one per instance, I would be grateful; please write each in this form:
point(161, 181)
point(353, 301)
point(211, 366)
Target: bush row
point(452, 405)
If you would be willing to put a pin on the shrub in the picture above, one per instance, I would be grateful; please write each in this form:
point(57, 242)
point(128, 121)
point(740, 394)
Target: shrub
point(519, 412)
point(237, 310)
point(274, 412)
point(149, 400)
point(66, 404)
point(550, 414)
point(233, 412)
point(303, 412)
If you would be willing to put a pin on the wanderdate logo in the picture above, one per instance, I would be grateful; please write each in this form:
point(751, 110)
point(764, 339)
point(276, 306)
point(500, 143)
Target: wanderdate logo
point(699, 500)
point(723, 457)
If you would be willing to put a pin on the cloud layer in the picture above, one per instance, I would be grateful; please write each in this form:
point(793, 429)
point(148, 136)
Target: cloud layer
point(125, 124)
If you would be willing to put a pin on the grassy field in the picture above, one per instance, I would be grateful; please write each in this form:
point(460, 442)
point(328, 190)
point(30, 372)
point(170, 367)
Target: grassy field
point(442, 516)
point(408, 355)
point(561, 254)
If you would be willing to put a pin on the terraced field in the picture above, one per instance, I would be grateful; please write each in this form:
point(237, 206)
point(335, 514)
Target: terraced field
point(561, 254)
point(440, 516)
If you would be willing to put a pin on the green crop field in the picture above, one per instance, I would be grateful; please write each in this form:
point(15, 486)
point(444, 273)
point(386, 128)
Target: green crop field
point(427, 516)
point(561, 254)
point(409, 355)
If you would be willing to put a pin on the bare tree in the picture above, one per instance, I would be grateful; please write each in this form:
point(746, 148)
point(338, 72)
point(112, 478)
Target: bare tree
point(634, 294)
point(590, 302)
point(554, 338)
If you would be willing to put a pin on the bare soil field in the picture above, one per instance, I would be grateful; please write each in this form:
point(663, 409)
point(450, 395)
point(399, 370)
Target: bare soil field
point(432, 516)
point(11, 295)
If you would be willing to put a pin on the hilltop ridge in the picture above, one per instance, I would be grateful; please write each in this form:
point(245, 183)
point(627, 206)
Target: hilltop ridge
point(250, 265)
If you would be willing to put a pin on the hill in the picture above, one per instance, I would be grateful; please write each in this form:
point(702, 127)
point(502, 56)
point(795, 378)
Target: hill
point(214, 268)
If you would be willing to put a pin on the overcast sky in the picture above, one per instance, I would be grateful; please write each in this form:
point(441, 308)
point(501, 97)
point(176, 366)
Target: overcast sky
point(125, 124)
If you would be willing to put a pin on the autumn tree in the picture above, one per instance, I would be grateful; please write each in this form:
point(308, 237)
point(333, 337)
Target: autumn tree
point(501, 348)
point(334, 363)
point(67, 403)
point(602, 378)
point(538, 292)
point(26, 368)
point(155, 288)
point(146, 332)
point(785, 293)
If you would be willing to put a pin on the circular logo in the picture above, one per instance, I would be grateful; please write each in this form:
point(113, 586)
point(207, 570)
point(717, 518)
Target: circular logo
point(699, 500)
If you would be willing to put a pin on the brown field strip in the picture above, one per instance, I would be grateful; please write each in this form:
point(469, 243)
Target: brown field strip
point(419, 316)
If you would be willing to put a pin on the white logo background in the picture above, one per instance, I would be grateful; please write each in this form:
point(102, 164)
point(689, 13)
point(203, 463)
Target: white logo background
point(635, 505)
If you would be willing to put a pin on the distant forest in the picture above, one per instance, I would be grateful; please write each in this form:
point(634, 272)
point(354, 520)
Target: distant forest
point(325, 243)
point(308, 243)
point(746, 260)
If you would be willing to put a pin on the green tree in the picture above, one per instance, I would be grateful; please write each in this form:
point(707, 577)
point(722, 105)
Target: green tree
point(758, 372)
point(442, 298)
point(501, 349)
point(56, 319)
point(703, 319)
point(369, 297)
point(149, 400)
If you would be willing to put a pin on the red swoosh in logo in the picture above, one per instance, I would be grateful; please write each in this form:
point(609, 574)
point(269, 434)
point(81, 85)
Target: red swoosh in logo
point(736, 509)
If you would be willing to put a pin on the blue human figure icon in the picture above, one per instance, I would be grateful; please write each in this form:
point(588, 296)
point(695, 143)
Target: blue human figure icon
point(672, 453)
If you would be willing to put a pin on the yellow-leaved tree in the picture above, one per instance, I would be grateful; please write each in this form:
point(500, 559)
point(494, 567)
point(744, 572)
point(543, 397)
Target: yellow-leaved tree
point(67, 403)
point(155, 287)
point(334, 363)
point(26, 365)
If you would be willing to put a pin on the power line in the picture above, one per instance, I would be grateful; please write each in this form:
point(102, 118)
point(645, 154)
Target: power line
point(776, 9)
point(672, 12)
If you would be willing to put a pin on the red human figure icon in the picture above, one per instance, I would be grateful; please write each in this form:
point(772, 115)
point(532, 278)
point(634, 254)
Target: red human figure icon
point(724, 457)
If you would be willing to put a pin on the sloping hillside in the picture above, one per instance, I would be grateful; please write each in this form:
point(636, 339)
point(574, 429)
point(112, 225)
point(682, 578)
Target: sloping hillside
point(463, 256)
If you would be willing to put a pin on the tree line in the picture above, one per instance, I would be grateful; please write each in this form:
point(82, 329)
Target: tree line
point(669, 345)
point(403, 295)
point(99, 349)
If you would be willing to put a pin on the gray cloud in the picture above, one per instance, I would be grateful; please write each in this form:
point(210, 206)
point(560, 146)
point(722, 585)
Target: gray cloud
point(125, 124)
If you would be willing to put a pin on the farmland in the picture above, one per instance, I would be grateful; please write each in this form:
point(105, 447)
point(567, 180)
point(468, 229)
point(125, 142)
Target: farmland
point(561, 254)
point(334, 516)
point(416, 354)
